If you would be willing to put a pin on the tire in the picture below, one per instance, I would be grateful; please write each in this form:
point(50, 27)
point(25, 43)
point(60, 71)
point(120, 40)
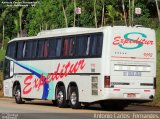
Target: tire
point(74, 98)
point(17, 95)
point(54, 102)
point(61, 97)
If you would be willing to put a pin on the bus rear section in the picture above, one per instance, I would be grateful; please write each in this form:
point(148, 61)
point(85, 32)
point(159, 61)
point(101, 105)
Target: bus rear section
point(131, 76)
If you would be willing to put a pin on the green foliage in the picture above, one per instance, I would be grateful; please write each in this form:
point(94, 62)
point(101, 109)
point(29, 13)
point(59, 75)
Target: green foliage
point(2, 54)
point(158, 42)
point(157, 99)
point(111, 13)
point(46, 15)
point(1, 80)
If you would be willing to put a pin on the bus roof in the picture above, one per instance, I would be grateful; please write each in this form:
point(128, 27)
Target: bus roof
point(61, 32)
point(68, 31)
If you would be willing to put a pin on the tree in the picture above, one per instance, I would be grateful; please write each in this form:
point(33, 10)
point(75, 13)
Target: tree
point(3, 15)
point(64, 12)
point(20, 13)
point(158, 12)
point(132, 13)
point(124, 12)
point(95, 14)
point(112, 13)
point(103, 8)
point(129, 12)
point(16, 26)
point(74, 24)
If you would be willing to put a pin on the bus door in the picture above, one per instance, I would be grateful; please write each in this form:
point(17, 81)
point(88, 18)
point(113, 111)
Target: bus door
point(8, 74)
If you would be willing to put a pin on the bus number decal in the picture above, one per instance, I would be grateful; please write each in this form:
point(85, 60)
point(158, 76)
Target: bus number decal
point(148, 54)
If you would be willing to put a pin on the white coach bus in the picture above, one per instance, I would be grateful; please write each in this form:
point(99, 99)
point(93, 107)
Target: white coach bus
point(112, 66)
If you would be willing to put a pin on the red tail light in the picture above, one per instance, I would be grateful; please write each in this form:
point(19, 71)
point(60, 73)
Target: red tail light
point(107, 81)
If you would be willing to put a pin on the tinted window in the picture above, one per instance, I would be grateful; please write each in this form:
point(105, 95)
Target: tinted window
point(46, 48)
point(20, 50)
point(34, 49)
point(71, 51)
point(82, 45)
point(40, 48)
point(28, 49)
point(52, 47)
point(96, 45)
point(59, 47)
point(68, 46)
point(11, 51)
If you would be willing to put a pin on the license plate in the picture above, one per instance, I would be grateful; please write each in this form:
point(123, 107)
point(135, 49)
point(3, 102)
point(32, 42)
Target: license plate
point(131, 95)
point(132, 73)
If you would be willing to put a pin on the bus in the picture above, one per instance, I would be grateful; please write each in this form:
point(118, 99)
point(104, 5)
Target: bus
point(113, 66)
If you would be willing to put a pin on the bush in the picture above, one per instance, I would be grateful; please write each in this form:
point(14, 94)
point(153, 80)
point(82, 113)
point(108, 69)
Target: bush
point(1, 80)
point(158, 40)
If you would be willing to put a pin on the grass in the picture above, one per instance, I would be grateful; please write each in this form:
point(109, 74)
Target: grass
point(2, 54)
point(157, 98)
point(1, 79)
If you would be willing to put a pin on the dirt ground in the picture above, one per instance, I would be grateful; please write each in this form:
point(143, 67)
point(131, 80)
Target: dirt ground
point(1, 93)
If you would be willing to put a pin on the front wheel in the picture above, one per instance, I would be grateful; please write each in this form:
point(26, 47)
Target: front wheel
point(17, 94)
point(74, 98)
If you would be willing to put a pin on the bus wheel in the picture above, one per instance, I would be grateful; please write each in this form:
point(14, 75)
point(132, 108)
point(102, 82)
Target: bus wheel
point(54, 102)
point(74, 98)
point(18, 97)
point(61, 97)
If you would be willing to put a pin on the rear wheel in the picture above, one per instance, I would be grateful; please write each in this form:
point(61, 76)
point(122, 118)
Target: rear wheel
point(61, 97)
point(17, 94)
point(74, 98)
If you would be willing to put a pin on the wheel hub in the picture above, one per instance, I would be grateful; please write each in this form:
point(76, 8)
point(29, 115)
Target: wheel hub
point(60, 96)
point(18, 94)
point(73, 98)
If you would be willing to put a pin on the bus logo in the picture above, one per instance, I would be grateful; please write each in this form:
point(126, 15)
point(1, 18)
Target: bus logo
point(129, 44)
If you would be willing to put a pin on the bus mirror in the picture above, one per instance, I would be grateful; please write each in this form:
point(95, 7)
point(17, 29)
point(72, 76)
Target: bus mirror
point(1, 65)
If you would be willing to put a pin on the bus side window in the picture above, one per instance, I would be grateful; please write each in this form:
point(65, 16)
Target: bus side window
point(59, 47)
point(96, 45)
point(88, 45)
point(93, 47)
point(81, 46)
point(40, 48)
point(11, 51)
point(46, 47)
point(20, 50)
point(34, 49)
point(24, 49)
point(68, 47)
point(8, 49)
point(71, 46)
point(28, 49)
point(99, 44)
point(65, 47)
point(52, 47)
